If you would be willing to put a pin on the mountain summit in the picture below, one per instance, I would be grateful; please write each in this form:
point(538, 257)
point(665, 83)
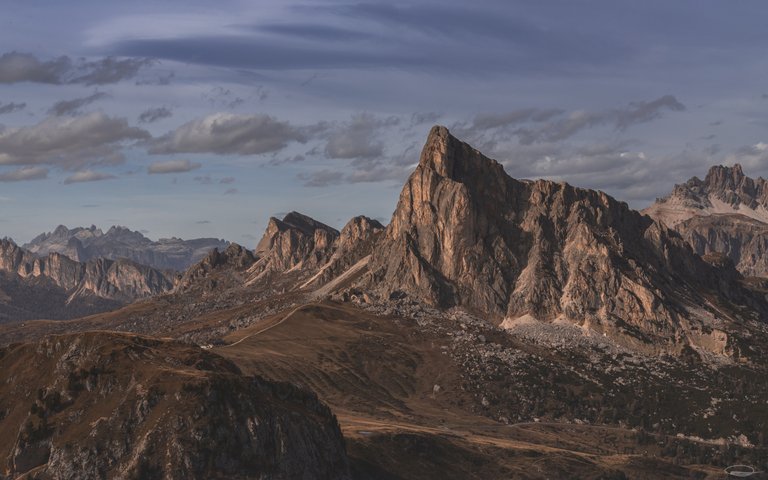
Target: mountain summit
point(724, 190)
point(724, 214)
point(465, 233)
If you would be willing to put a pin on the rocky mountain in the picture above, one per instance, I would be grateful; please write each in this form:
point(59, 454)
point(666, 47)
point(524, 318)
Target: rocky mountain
point(295, 242)
point(464, 233)
point(354, 244)
point(83, 244)
point(105, 405)
point(218, 270)
point(726, 213)
point(67, 288)
point(724, 190)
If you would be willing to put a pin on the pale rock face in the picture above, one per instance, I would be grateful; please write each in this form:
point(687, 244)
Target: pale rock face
point(295, 242)
point(726, 213)
point(356, 241)
point(119, 280)
point(465, 233)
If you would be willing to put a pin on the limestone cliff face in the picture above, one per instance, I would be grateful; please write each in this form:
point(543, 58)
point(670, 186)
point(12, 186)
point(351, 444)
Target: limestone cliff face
point(726, 213)
point(295, 242)
point(465, 233)
point(356, 242)
point(742, 239)
point(106, 405)
point(117, 281)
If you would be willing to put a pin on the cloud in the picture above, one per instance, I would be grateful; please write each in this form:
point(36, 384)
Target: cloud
point(374, 173)
point(227, 133)
point(294, 159)
point(312, 32)
point(220, 97)
point(562, 128)
point(535, 125)
point(641, 112)
point(69, 142)
point(227, 180)
point(484, 39)
point(230, 191)
point(87, 176)
point(24, 173)
point(203, 222)
point(66, 107)
point(356, 139)
point(420, 118)
point(751, 156)
point(204, 180)
point(322, 178)
point(173, 166)
point(24, 67)
point(11, 107)
point(154, 114)
point(18, 67)
point(109, 70)
point(495, 120)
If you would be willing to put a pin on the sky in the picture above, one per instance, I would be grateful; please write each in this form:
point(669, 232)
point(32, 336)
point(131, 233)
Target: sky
point(203, 119)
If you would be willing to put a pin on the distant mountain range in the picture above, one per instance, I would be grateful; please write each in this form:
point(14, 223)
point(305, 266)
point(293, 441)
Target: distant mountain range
point(84, 244)
point(56, 287)
point(724, 214)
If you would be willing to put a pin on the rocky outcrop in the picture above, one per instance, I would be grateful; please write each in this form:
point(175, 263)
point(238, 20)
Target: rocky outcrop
point(356, 242)
point(297, 242)
point(465, 233)
point(220, 269)
point(83, 244)
point(724, 213)
point(105, 405)
point(725, 190)
point(90, 287)
point(742, 239)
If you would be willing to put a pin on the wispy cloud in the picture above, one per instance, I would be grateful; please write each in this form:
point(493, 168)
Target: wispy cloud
point(357, 138)
point(11, 107)
point(24, 174)
point(173, 166)
point(66, 107)
point(154, 114)
point(87, 176)
point(18, 67)
point(226, 133)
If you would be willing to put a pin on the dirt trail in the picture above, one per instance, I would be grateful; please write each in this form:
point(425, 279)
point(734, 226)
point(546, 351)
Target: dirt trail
point(283, 319)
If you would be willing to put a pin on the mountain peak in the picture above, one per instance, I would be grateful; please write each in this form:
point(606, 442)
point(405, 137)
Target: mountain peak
point(435, 154)
point(305, 223)
point(449, 157)
point(466, 234)
point(721, 178)
point(724, 190)
point(61, 230)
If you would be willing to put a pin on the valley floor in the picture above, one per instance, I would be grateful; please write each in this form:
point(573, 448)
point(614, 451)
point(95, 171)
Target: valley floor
point(404, 412)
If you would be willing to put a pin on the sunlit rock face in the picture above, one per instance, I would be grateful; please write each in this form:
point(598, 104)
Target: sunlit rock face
point(725, 213)
point(465, 233)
